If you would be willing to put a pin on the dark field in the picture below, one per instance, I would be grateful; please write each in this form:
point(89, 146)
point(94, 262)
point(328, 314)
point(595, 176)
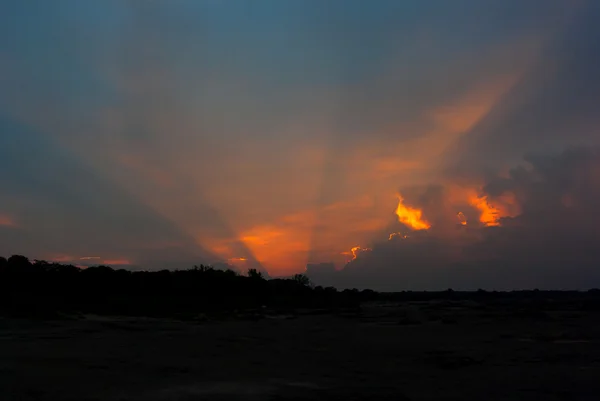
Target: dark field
point(436, 350)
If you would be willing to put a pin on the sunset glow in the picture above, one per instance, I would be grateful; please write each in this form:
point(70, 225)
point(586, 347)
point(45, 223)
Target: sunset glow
point(169, 134)
point(411, 217)
point(489, 215)
point(355, 251)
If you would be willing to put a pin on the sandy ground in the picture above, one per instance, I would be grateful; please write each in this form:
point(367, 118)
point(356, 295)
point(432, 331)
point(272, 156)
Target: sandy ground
point(407, 352)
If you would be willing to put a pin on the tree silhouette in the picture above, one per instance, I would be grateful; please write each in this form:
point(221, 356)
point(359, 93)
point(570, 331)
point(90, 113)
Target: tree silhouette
point(42, 288)
point(255, 274)
point(301, 279)
point(19, 262)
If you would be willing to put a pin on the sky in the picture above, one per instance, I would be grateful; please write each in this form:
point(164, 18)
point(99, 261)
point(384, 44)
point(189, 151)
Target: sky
point(383, 144)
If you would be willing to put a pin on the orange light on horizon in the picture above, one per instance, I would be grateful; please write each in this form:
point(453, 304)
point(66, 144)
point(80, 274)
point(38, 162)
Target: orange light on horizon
point(411, 217)
point(279, 247)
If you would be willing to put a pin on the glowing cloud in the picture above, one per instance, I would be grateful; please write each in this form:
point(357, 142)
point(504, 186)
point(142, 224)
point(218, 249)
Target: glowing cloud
point(410, 217)
point(461, 218)
point(399, 235)
point(488, 214)
point(354, 251)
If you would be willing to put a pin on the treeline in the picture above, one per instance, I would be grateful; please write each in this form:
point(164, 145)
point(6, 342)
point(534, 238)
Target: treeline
point(40, 288)
point(517, 301)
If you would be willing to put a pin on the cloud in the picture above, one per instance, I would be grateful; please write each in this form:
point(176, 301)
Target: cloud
point(551, 243)
point(547, 109)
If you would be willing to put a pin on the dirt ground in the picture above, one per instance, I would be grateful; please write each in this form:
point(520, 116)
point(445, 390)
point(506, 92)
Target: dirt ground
point(388, 352)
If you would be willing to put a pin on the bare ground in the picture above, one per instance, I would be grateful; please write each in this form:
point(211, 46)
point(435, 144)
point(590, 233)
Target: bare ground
point(415, 351)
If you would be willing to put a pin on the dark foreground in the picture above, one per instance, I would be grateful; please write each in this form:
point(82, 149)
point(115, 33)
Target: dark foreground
point(434, 350)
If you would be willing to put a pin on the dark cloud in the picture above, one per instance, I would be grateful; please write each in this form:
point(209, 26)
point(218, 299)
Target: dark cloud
point(551, 107)
point(552, 243)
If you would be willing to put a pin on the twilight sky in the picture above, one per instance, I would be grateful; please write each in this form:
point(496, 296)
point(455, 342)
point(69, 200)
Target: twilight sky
point(413, 144)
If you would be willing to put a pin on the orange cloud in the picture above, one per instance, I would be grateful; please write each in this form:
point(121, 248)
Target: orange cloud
point(354, 251)
point(489, 216)
point(410, 217)
point(491, 211)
